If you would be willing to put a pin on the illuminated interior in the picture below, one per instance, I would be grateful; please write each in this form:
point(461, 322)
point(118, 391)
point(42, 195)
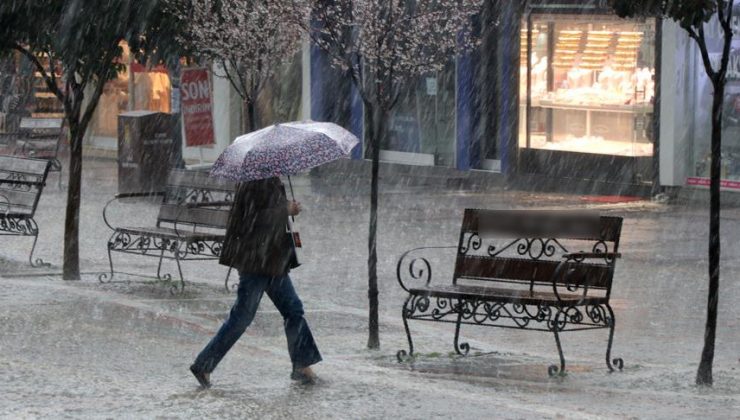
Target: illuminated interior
point(589, 82)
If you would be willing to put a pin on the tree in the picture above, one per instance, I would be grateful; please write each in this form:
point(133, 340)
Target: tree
point(81, 39)
point(247, 39)
point(163, 45)
point(384, 45)
point(692, 16)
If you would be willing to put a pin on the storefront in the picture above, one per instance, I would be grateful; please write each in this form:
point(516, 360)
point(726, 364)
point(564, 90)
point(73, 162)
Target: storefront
point(693, 171)
point(23, 93)
point(136, 89)
point(581, 105)
point(587, 88)
point(141, 88)
point(422, 125)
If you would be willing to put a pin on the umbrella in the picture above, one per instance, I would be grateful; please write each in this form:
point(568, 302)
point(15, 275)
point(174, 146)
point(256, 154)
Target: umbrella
point(283, 150)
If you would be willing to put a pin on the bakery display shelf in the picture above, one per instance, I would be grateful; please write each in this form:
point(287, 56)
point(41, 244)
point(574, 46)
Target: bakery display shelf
point(627, 109)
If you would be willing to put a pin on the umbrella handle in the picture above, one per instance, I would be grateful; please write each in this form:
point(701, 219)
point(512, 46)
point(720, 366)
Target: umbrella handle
point(291, 194)
point(291, 188)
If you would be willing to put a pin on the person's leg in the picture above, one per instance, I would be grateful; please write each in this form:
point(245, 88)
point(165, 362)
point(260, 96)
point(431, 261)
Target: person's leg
point(250, 291)
point(301, 345)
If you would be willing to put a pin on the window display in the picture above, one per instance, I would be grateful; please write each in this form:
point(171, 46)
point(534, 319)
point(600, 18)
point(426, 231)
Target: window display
point(424, 119)
point(151, 92)
point(587, 85)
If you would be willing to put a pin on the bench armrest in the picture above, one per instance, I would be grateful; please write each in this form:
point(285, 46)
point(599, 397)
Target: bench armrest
point(127, 195)
point(418, 267)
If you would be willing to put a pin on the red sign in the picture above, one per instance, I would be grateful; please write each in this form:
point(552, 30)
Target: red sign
point(195, 91)
point(704, 182)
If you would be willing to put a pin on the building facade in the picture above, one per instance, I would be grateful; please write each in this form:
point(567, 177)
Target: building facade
point(557, 90)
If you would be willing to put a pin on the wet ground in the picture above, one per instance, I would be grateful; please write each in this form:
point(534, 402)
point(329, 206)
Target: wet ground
point(85, 349)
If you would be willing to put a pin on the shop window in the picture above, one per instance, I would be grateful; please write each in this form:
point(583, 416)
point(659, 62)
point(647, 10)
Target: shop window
point(587, 84)
point(149, 90)
point(730, 169)
point(280, 99)
point(423, 120)
point(24, 93)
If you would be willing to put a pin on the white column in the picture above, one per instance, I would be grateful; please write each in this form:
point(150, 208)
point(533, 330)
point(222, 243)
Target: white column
point(677, 105)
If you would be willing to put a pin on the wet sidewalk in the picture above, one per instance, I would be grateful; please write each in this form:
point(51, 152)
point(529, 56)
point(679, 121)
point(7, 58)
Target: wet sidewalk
point(85, 349)
point(82, 350)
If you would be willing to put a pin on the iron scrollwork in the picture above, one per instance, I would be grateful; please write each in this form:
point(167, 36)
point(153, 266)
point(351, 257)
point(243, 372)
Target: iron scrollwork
point(413, 268)
point(533, 248)
point(18, 225)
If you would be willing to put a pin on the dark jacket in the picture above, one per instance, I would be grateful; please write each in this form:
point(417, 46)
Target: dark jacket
point(256, 241)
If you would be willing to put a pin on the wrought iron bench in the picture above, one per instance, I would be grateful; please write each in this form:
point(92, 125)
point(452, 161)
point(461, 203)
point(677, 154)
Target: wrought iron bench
point(22, 181)
point(530, 270)
point(190, 225)
point(41, 138)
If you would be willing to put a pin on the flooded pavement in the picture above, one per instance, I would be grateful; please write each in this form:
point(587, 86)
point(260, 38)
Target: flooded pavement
point(85, 349)
point(78, 350)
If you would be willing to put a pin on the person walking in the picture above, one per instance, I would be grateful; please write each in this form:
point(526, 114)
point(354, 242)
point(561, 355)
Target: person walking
point(258, 245)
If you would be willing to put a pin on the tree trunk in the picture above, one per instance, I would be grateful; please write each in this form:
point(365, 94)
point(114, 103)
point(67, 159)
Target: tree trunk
point(175, 73)
point(71, 265)
point(249, 116)
point(704, 374)
point(375, 137)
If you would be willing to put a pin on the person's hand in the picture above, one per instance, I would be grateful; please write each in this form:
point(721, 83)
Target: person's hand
point(294, 208)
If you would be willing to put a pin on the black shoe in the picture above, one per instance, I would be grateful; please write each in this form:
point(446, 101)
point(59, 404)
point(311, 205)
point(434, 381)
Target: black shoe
point(201, 376)
point(304, 379)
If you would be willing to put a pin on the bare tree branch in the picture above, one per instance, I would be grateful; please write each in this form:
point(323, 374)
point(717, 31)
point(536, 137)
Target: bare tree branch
point(701, 40)
point(47, 79)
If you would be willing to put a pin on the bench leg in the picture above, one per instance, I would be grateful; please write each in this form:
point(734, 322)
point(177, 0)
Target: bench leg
point(103, 277)
point(554, 370)
point(402, 355)
point(460, 348)
point(173, 289)
point(38, 262)
point(159, 267)
point(611, 363)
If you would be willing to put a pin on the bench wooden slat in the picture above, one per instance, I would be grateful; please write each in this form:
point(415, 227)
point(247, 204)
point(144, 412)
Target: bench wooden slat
point(18, 198)
point(507, 295)
point(198, 180)
point(208, 217)
point(526, 270)
point(55, 124)
point(169, 233)
point(543, 224)
point(24, 166)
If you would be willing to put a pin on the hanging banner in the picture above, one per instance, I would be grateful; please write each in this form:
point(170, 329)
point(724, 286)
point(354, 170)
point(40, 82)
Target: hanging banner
point(197, 108)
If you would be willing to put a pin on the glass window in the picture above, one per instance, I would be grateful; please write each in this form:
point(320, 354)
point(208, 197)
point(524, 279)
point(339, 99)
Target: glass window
point(423, 120)
point(151, 92)
point(730, 170)
point(590, 84)
point(280, 99)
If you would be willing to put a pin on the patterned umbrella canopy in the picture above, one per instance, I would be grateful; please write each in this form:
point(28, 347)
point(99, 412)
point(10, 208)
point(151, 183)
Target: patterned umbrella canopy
point(283, 149)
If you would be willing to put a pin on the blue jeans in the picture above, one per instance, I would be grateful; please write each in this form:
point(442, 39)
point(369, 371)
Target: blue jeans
point(301, 345)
